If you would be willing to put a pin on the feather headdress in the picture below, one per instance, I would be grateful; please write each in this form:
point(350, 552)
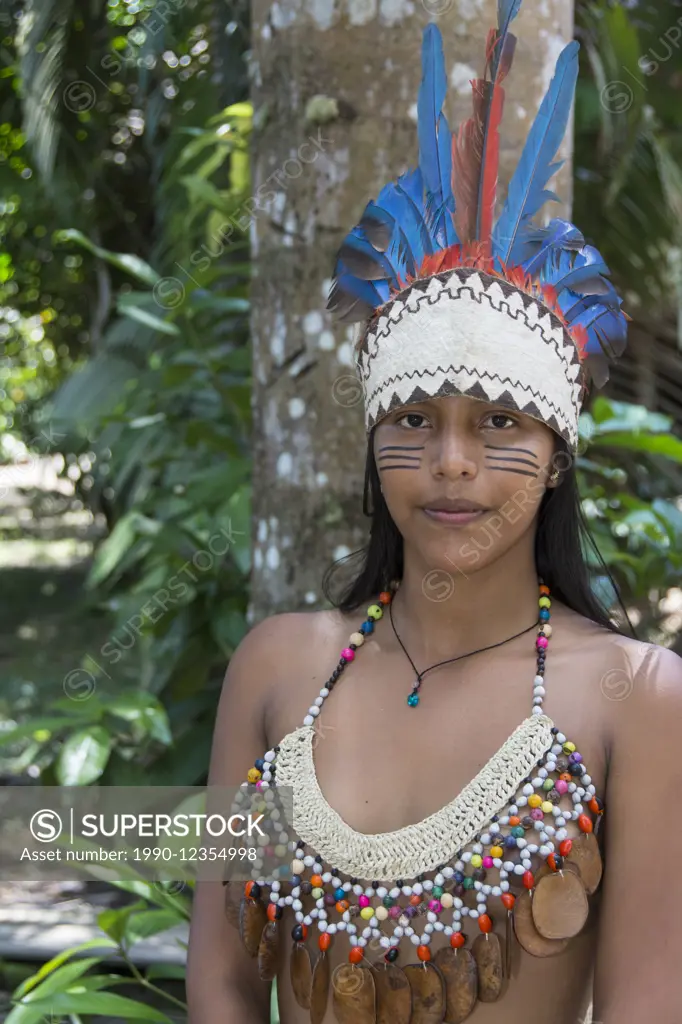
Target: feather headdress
point(449, 302)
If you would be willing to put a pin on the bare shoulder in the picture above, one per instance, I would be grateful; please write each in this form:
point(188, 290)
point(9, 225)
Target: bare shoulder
point(291, 654)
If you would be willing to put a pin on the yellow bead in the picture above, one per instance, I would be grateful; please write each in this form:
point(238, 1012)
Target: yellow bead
point(534, 800)
point(381, 913)
point(546, 806)
point(547, 629)
point(357, 638)
point(447, 900)
point(280, 850)
point(476, 860)
point(568, 747)
point(374, 611)
point(253, 775)
point(496, 851)
point(318, 894)
point(366, 913)
point(545, 602)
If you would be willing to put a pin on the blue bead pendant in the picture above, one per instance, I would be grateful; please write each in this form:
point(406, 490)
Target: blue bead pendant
point(413, 699)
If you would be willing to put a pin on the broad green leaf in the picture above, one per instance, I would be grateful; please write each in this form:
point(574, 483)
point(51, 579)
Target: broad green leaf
point(57, 980)
point(143, 316)
point(150, 922)
point(104, 1004)
point(99, 944)
point(112, 549)
point(124, 261)
point(83, 757)
point(113, 922)
point(29, 728)
point(652, 444)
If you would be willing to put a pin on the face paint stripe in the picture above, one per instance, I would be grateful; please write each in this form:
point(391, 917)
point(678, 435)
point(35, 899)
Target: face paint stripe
point(402, 448)
point(503, 469)
point(408, 458)
point(507, 458)
point(509, 448)
point(386, 468)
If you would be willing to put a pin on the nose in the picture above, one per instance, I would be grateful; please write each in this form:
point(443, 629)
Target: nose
point(455, 456)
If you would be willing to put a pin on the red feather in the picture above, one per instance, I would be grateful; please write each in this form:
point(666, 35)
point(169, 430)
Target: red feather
point(490, 168)
point(467, 154)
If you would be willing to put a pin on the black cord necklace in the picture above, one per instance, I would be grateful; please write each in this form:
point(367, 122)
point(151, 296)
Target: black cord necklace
point(413, 698)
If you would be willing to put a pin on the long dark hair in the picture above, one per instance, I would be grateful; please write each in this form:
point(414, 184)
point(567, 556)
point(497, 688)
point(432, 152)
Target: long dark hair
point(561, 539)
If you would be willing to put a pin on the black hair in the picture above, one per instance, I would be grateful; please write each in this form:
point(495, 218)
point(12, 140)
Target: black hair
point(562, 538)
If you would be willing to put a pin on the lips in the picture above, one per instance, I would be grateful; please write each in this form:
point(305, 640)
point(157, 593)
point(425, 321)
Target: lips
point(455, 512)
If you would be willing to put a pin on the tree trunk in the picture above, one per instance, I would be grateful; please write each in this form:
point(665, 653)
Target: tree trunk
point(334, 87)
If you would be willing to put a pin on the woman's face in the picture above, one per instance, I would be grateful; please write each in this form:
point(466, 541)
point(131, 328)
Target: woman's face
point(432, 454)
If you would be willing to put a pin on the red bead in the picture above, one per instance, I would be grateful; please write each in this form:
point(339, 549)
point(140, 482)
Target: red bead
point(551, 861)
point(423, 952)
point(508, 900)
point(457, 940)
point(528, 879)
point(248, 887)
point(305, 931)
point(355, 955)
point(485, 923)
point(384, 597)
point(585, 823)
point(596, 805)
point(415, 900)
point(325, 940)
point(272, 911)
point(565, 847)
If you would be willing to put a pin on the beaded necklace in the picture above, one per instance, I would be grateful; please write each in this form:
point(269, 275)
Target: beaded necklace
point(541, 886)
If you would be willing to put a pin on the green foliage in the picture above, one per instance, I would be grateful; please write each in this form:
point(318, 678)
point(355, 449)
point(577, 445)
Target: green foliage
point(70, 984)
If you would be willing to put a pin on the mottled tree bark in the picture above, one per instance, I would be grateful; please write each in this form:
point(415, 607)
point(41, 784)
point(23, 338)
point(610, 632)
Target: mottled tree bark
point(334, 85)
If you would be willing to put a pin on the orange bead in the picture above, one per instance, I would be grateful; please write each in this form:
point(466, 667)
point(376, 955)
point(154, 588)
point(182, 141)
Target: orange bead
point(272, 911)
point(551, 861)
point(415, 900)
point(514, 820)
point(457, 940)
point(508, 900)
point(544, 590)
point(316, 881)
point(566, 777)
point(355, 955)
point(384, 597)
point(485, 923)
point(565, 847)
point(528, 879)
point(305, 931)
point(325, 940)
point(248, 887)
point(423, 952)
point(342, 905)
point(585, 823)
point(596, 806)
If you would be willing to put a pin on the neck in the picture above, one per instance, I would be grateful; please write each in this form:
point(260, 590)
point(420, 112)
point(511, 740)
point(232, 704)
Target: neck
point(440, 614)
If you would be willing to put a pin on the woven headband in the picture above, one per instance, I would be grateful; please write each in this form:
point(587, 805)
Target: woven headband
point(448, 302)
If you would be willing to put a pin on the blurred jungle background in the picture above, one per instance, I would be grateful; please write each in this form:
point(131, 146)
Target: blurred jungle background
point(155, 460)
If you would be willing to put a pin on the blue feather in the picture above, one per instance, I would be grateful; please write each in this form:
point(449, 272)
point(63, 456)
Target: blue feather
point(506, 12)
point(362, 258)
point(606, 330)
point(382, 228)
point(435, 140)
point(558, 235)
point(527, 192)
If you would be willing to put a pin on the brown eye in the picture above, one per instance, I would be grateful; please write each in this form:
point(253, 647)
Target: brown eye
point(408, 420)
point(501, 416)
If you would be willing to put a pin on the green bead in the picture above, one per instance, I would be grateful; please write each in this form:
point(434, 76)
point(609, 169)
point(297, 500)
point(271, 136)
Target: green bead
point(468, 882)
point(388, 901)
point(545, 602)
point(374, 611)
point(413, 700)
point(437, 890)
point(548, 784)
point(518, 831)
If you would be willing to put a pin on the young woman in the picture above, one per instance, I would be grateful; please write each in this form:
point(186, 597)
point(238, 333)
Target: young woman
point(481, 763)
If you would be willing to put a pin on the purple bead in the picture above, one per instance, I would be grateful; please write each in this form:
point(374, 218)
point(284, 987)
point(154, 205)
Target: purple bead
point(510, 842)
point(410, 911)
point(575, 758)
point(394, 911)
point(537, 814)
point(329, 899)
